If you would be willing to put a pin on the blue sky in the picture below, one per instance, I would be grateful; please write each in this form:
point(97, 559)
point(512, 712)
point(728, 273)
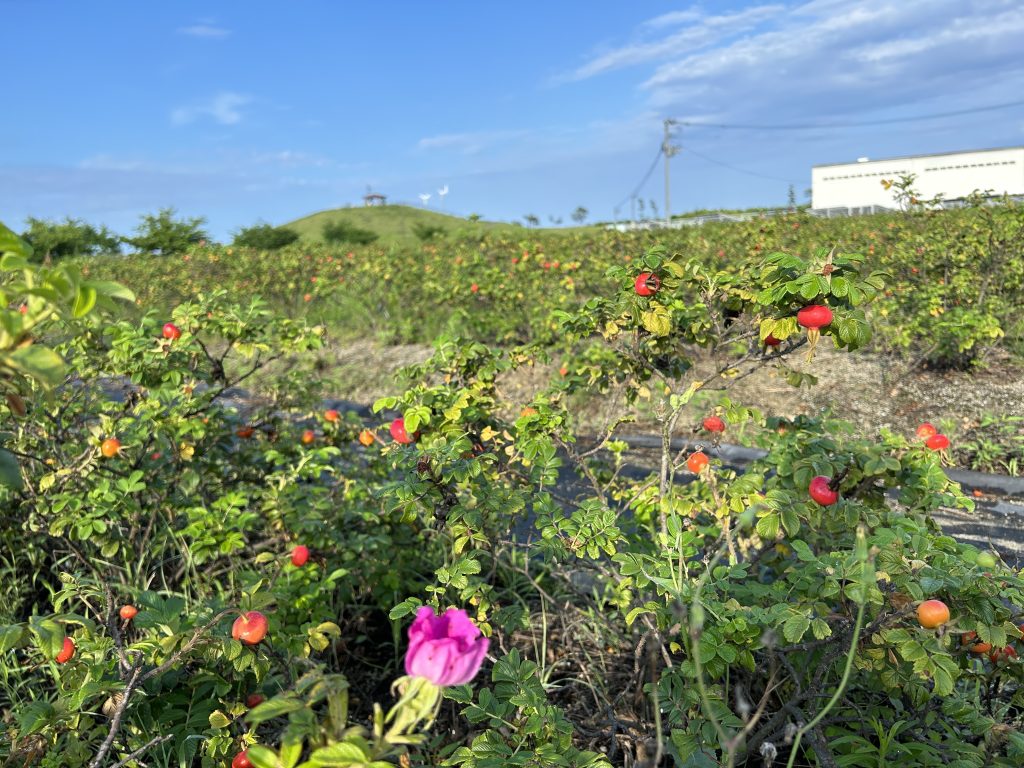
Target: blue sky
point(244, 111)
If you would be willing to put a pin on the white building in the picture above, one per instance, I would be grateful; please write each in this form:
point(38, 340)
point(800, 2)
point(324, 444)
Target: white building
point(953, 175)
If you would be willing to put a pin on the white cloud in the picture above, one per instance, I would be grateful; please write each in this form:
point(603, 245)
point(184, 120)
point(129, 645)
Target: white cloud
point(820, 58)
point(224, 108)
point(698, 32)
point(290, 158)
point(109, 162)
point(672, 18)
point(205, 29)
point(469, 143)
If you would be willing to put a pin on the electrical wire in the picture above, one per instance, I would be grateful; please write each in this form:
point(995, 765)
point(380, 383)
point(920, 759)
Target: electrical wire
point(853, 124)
point(643, 181)
point(693, 151)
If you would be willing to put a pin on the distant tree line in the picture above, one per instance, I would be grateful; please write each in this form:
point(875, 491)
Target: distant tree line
point(167, 233)
point(160, 233)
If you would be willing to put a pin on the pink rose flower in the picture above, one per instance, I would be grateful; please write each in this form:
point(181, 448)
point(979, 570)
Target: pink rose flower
point(447, 649)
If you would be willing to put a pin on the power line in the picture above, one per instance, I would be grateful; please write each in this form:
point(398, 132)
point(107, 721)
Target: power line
point(692, 151)
point(643, 181)
point(853, 124)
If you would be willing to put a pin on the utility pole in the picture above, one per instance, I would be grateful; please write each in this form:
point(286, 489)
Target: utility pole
point(669, 150)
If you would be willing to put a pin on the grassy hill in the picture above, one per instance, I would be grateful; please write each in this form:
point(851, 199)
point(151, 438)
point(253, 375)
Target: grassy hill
point(395, 224)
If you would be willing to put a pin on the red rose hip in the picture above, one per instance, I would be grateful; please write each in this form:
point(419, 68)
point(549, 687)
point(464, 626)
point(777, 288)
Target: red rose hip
point(714, 424)
point(697, 462)
point(814, 317)
point(647, 284)
point(250, 628)
point(171, 331)
point(67, 651)
point(821, 491)
point(398, 432)
point(300, 555)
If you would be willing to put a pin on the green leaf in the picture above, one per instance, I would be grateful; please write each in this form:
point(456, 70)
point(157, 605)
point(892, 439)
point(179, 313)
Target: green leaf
point(795, 627)
point(111, 289)
point(944, 675)
point(291, 749)
point(10, 243)
point(790, 521)
point(821, 629)
point(341, 754)
point(42, 364)
point(768, 526)
point(404, 608)
point(261, 757)
point(803, 551)
point(218, 719)
point(49, 636)
point(10, 636)
point(85, 300)
point(10, 472)
point(268, 710)
point(34, 716)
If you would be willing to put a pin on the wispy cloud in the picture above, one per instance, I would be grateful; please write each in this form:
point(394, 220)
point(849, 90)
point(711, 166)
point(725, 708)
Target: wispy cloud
point(804, 59)
point(469, 143)
point(698, 32)
point(109, 162)
point(290, 158)
point(829, 54)
point(224, 108)
point(204, 28)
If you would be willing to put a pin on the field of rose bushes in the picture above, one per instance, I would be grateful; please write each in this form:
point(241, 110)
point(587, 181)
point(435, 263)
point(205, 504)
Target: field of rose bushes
point(954, 278)
point(954, 282)
point(467, 579)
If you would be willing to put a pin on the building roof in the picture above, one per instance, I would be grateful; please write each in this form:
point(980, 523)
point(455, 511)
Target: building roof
point(913, 157)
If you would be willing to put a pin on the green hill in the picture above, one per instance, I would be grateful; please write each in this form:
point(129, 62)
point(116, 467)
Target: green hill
point(395, 224)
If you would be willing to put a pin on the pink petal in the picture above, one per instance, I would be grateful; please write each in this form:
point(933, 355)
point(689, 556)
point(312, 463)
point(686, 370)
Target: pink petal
point(431, 660)
point(460, 625)
point(466, 665)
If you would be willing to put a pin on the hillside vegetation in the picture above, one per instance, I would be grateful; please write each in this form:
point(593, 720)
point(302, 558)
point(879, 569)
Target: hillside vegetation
point(396, 225)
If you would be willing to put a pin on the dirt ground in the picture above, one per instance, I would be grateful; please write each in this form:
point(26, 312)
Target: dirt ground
point(866, 389)
point(874, 392)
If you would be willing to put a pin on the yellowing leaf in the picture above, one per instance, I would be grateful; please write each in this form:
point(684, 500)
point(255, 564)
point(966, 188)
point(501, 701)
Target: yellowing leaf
point(656, 321)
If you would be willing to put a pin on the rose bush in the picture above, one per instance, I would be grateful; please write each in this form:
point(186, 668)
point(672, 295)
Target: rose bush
point(637, 612)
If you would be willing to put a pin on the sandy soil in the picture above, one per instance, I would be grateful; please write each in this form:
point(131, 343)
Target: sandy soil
point(867, 389)
point(874, 392)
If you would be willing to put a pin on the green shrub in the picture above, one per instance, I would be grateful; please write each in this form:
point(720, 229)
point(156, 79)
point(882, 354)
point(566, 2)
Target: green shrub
point(68, 238)
point(427, 232)
point(264, 237)
point(164, 234)
point(343, 232)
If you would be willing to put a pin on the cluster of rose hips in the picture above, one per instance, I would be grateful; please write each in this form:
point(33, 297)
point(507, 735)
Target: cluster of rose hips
point(932, 614)
point(813, 317)
point(933, 439)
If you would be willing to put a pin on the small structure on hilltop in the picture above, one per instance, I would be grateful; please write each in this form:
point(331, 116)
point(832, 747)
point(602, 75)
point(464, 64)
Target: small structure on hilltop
point(374, 198)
